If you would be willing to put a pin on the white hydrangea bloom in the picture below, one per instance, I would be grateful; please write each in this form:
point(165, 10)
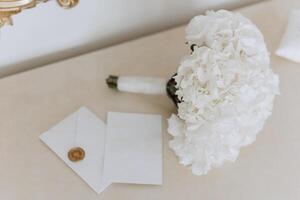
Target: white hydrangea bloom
point(227, 90)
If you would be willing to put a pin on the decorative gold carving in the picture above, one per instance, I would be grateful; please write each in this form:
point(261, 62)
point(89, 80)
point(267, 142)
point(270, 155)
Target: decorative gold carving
point(67, 3)
point(12, 7)
point(5, 21)
point(5, 18)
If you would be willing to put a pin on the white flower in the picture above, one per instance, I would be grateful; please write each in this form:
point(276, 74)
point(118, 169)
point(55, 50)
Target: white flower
point(230, 33)
point(227, 90)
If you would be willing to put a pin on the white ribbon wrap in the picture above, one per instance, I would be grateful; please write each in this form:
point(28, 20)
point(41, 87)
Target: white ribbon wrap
point(145, 85)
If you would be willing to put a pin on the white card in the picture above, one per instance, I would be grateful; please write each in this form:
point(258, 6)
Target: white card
point(81, 129)
point(133, 149)
point(290, 43)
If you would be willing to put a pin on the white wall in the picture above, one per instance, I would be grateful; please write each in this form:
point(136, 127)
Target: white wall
point(49, 33)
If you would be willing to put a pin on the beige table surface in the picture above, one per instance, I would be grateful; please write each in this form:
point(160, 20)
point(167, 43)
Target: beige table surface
point(33, 101)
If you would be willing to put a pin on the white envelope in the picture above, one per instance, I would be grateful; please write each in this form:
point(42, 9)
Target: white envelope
point(133, 149)
point(81, 129)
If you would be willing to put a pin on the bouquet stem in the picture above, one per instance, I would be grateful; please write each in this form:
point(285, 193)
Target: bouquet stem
point(144, 85)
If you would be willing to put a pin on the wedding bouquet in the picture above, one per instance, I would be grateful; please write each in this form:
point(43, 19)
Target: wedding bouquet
point(224, 90)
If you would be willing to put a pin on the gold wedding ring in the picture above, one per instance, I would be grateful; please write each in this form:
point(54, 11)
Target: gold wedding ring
point(76, 154)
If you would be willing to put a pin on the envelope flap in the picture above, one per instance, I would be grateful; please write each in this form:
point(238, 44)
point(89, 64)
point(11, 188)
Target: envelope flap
point(90, 130)
point(81, 129)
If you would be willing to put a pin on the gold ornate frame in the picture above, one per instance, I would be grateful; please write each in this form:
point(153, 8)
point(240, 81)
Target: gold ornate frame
point(12, 7)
